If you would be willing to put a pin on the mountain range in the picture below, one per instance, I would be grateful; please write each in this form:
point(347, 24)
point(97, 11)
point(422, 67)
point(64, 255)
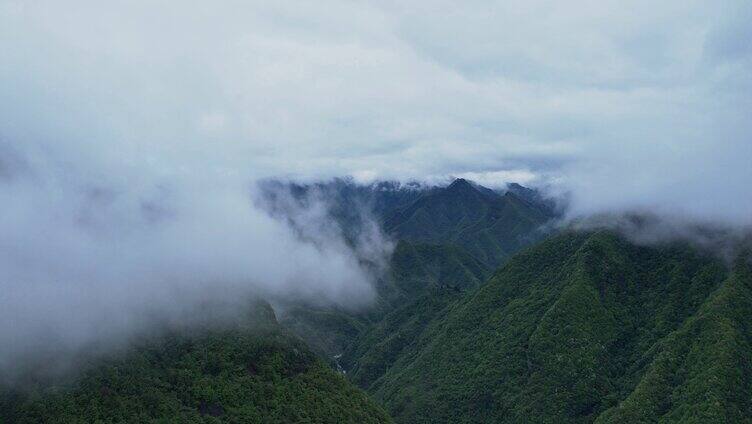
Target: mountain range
point(585, 327)
point(250, 370)
point(446, 238)
point(487, 310)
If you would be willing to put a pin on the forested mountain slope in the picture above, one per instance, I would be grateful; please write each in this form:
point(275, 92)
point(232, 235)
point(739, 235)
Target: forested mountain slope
point(585, 327)
point(491, 226)
point(449, 237)
point(376, 350)
point(416, 270)
point(246, 372)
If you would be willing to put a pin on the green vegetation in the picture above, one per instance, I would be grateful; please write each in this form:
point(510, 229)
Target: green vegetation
point(583, 327)
point(417, 268)
point(249, 374)
point(579, 328)
point(327, 331)
point(371, 355)
point(420, 275)
point(702, 372)
point(489, 225)
point(448, 241)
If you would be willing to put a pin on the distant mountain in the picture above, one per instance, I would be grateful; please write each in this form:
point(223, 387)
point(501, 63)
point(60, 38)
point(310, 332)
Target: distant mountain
point(416, 271)
point(349, 203)
point(583, 327)
point(416, 267)
point(251, 372)
point(447, 237)
point(491, 226)
point(448, 240)
point(551, 206)
point(480, 317)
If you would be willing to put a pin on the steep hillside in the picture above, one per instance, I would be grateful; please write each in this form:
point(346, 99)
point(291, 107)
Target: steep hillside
point(417, 267)
point(584, 327)
point(254, 374)
point(425, 279)
point(489, 225)
point(447, 241)
point(370, 355)
point(703, 371)
point(326, 330)
point(417, 270)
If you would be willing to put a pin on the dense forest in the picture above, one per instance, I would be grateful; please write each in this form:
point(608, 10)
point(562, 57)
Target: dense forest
point(484, 314)
point(247, 372)
point(447, 238)
point(586, 328)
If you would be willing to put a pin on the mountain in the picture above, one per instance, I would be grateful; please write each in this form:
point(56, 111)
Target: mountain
point(491, 226)
point(448, 237)
point(462, 222)
point(349, 204)
point(426, 278)
point(376, 350)
point(550, 205)
point(585, 327)
point(478, 319)
point(240, 373)
point(416, 270)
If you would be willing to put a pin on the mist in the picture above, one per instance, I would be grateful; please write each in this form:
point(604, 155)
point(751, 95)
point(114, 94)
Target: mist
point(132, 135)
point(88, 258)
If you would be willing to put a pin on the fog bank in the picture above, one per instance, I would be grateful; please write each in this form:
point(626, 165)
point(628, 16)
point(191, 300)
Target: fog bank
point(89, 257)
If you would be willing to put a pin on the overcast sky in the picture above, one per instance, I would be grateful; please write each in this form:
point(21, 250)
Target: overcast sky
point(130, 130)
point(628, 104)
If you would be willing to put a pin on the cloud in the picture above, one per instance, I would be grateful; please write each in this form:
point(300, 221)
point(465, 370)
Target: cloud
point(87, 259)
point(645, 228)
point(130, 131)
point(626, 105)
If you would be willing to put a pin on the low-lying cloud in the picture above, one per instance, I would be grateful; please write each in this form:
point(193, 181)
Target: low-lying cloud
point(87, 260)
point(131, 133)
point(638, 105)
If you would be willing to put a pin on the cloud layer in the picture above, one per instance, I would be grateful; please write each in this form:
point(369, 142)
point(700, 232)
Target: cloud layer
point(89, 259)
point(130, 132)
point(627, 105)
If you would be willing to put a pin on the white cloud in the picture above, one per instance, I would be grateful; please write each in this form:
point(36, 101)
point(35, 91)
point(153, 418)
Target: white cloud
point(628, 105)
point(395, 90)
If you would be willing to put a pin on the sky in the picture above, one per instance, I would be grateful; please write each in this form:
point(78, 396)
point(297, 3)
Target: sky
point(137, 127)
point(626, 104)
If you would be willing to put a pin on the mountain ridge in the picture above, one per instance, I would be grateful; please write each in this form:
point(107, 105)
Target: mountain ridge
point(250, 371)
point(467, 231)
point(563, 333)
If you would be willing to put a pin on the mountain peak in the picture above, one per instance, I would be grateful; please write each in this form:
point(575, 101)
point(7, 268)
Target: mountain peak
point(461, 183)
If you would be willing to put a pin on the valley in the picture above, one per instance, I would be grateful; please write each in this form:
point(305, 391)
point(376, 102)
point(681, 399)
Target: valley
point(485, 312)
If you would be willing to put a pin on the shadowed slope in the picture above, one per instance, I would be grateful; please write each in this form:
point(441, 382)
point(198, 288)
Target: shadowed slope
point(254, 374)
point(489, 225)
point(569, 328)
